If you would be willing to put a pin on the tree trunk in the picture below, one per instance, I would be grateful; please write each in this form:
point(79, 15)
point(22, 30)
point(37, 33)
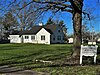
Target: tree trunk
point(77, 25)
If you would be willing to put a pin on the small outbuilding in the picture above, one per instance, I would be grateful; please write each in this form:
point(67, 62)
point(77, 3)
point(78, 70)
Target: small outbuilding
point(70, 40)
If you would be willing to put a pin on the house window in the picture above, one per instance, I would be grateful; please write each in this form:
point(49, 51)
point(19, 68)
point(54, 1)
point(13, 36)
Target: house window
point(42, 37)
point(58, 30)
point(26, 37)
point(63, 37)
point(32, 37)
point(54, 39)
point(59, 37)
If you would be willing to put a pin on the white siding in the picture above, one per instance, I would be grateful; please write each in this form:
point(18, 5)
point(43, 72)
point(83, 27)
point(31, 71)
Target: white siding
point(98, 40)
point(37, 39)
point(49, 38)
point(14, 39)
point(70, 40)
point(29, 40)
point(43, 32)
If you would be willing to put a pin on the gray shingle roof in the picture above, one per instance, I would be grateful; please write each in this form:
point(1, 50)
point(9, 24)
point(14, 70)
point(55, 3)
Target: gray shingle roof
point(50, 28)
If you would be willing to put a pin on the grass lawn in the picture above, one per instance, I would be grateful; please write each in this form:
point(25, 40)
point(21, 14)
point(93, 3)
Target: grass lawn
point(29, 56)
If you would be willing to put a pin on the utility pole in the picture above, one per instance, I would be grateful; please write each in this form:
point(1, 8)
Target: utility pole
point(92, 33)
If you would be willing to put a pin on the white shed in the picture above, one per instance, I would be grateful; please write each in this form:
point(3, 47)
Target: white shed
point(70, 40)
point(14, 39)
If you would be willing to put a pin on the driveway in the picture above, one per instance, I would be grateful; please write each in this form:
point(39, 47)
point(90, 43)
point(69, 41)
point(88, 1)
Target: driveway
point(6, 70)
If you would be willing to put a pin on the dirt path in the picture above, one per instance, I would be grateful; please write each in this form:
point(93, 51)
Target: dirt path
point(26, 72)
point(6, 70)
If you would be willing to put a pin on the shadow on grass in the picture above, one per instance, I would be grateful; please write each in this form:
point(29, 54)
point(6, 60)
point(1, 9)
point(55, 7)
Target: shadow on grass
point(4, 48)
point(9, 69)
point(13, 60)
point(40, 65)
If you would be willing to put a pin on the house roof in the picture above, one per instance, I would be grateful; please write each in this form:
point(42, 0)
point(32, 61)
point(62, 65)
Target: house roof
point(15, 32)
point(52, 28)
point(35, 30)
point(49, 28)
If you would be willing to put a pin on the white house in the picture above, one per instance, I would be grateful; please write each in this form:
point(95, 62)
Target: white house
point(98, 40)
point(70, 40)
point(39, 34)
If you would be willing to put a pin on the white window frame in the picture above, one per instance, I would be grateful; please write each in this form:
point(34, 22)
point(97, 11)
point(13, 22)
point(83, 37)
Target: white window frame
point(59, 30)
point(42, 37)
point(32, 37)
point(26, 37)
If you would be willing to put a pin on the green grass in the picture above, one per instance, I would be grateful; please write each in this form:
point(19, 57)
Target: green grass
point(24, 56)
point(19, 54)
point(71, 70)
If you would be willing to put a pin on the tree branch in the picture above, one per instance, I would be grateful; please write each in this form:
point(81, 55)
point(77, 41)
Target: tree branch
point(53, 2)
point(25, 5)
point(87, 15)
point(77, 5)
point(51, 5)
point(11, 3)
point(48, 2)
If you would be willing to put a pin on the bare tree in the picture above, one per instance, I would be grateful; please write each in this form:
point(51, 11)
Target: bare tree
point(10, 23)
point(27, 17)
point(72, 6)
point(85, 33)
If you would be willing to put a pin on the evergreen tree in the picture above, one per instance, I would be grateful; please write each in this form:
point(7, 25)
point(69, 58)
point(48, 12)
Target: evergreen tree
point(50, 22)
